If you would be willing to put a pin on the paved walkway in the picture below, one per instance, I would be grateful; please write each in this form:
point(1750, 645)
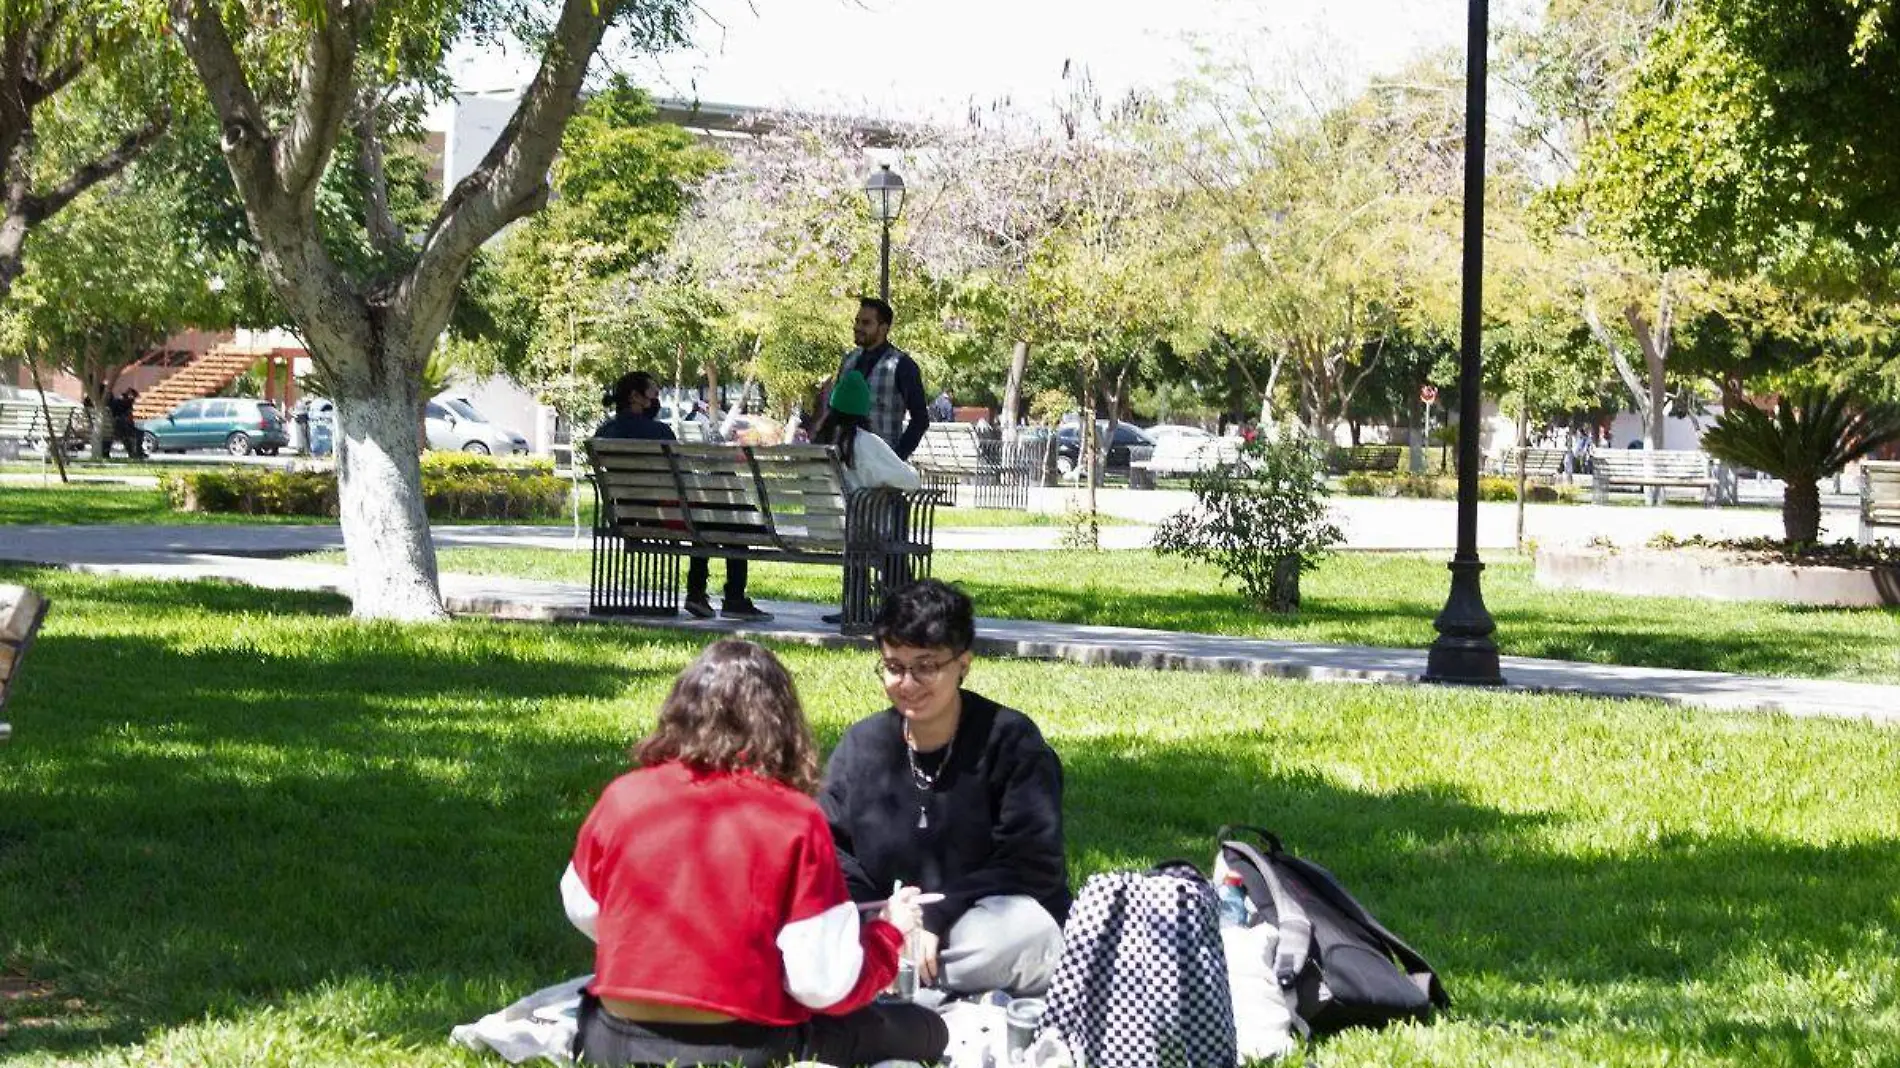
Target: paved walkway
point(207, 552)
point(108, 543)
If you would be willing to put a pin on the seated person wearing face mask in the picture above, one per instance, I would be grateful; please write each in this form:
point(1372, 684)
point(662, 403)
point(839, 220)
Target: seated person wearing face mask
point(636, 401)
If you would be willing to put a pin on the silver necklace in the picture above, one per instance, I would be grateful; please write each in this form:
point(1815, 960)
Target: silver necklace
point(926, 782)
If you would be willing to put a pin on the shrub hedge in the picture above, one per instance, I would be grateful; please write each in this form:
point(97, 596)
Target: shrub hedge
point(454, 486)
point(1428, 487)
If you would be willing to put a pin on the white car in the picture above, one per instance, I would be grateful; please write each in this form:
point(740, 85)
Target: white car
point(1162, 431)
point(455, 425)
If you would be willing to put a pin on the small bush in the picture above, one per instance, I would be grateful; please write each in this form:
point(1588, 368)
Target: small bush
point(1493, 488)
point(1262, 522)
point(1541, 494)
point(246, 491)
point(1423, 486)
point(1359, 486)
point(451, 489)
point(469, 463)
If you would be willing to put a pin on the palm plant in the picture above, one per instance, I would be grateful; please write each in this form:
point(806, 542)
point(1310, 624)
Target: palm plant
point(1812, 434)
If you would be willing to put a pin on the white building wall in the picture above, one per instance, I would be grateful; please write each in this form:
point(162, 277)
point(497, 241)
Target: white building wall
point(1677, 433)
point(475, 120)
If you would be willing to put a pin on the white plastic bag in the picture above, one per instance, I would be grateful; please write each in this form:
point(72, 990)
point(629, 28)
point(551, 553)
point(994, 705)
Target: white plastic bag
point(541, 1025)
point(1263, 1027)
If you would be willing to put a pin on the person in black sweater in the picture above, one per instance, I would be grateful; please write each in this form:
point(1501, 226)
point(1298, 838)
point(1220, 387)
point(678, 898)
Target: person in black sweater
point(636, 401)
point(950, 791)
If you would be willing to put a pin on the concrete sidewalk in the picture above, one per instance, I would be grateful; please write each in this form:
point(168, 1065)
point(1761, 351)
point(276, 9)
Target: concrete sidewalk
point(507, 598)
point(107, 543)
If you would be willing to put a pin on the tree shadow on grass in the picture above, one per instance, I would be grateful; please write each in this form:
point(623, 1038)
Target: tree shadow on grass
point(215, 832)
point(1660, 639)
point(216, 828)
point(1656, 936)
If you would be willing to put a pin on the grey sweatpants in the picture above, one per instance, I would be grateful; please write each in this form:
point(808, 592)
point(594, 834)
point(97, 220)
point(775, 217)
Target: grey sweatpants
point(1003, 943)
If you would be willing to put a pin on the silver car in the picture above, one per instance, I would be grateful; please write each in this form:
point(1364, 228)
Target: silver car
point(455, 425)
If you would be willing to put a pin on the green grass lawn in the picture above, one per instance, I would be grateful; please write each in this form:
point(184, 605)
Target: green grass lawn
point(93, 503)
point(1357, 598)
point(96, 503)
point(239, 828)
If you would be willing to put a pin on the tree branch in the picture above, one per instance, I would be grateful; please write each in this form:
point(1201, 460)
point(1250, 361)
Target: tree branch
point(512, 178)
point(1617, 357)
point(37, 208)
point(245, 135)
point(324, 96)
point(384, 230)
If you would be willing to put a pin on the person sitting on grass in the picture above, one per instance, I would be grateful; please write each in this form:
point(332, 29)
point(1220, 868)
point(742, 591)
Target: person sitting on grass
point(708, 878)
point(948, 790)
point(636, 401)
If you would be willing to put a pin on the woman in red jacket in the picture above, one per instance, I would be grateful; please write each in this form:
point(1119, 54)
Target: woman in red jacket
point(708, 878)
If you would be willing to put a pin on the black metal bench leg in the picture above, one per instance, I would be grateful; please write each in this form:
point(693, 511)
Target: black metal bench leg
point(630, 579)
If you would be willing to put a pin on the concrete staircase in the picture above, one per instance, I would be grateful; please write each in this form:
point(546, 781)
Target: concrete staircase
point(210, 372)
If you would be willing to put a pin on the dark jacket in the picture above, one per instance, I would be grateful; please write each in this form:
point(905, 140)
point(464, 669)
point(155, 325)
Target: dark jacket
point(994, 818)
point(635, 425)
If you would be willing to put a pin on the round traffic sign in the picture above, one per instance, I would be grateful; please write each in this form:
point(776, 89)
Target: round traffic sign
point(1428, 393)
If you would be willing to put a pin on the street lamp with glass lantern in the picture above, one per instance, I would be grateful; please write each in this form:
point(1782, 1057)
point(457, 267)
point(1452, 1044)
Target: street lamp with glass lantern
point(885, 190)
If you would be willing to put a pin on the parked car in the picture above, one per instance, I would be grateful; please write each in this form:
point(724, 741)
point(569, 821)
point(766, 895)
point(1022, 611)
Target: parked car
point(1161, 432)
point(238, 425)
point(1069, 446)
point(455, 425)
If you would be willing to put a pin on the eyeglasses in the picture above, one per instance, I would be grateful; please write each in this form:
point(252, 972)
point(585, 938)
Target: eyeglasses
point(923, 672)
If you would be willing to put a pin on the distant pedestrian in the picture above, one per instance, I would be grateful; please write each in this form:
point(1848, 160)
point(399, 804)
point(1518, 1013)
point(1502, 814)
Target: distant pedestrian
point(125, 429)
point(899, 412)
point(944, 408)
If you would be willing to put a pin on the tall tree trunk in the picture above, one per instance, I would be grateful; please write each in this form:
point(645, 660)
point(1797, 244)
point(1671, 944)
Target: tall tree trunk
point(1013, 390)
point(1523, 458)
point(94, 387)
point(379, 491)
point(1801, 509)
point(1089, 447)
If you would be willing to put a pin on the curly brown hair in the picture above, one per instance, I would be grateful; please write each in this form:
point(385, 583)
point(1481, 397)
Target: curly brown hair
point(735, 708)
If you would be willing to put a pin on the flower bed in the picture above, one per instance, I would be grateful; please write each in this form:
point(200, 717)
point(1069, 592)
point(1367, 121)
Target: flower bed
point(1840, 575)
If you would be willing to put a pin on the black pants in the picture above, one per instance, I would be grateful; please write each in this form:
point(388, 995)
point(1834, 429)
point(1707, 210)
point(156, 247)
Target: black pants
point(697, 575)
point(874, 1033)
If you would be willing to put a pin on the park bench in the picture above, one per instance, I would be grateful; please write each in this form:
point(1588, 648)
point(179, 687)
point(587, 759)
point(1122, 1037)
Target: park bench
point(23, 419)
point(1661, 469)
point(1373, 458)
point(21, 612)
point(1879, 496)
point(1537, 464)
point(21, 423)
point(659, 502)
point(999, 473)
point(1177, 455)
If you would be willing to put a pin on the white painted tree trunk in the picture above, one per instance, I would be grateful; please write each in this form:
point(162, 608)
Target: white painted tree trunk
point(379, 487)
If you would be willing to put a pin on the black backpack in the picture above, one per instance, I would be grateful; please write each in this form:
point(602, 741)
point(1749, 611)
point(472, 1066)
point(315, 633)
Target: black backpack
point(1337, 965)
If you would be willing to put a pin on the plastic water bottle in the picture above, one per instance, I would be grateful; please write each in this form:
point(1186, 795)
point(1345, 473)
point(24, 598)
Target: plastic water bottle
point(1233, 900)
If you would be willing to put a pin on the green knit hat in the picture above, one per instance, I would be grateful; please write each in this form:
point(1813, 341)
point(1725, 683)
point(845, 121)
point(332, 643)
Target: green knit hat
point(852, 394)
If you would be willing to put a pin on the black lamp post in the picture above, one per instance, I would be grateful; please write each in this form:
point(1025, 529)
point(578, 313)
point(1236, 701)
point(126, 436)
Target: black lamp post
point(1464, 652)
point(886, 193)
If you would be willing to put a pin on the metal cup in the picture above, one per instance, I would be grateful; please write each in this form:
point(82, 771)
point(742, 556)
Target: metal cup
point(906, 977)
point(1022, 1023)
